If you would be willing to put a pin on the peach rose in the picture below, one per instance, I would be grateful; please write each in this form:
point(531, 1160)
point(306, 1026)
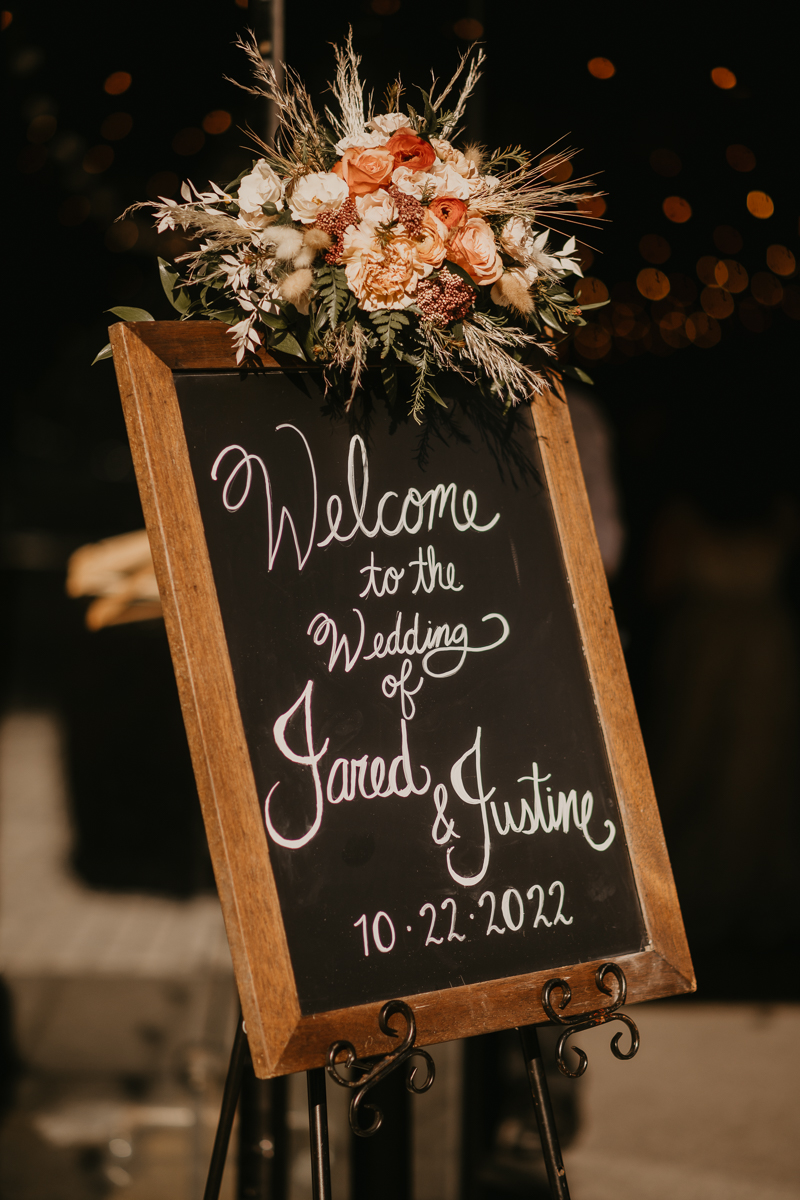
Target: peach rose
point(411, 151)
point(473, 247)
point(365, 169)
point(451, 212)
point(430, 248)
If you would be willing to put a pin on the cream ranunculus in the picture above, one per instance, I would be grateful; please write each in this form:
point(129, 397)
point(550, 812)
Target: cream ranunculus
point(455, 159)
point(261, 186)
point(388, 123)
point(473, 247)
point(321, 191)
point(376, 208)
point(364, 140)
point(381, 276)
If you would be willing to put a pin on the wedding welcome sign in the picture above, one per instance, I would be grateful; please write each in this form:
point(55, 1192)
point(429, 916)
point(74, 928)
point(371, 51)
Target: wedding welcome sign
point(415, 744)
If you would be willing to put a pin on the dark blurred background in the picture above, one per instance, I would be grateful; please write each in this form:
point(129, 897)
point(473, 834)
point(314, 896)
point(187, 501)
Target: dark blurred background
point(682, 114)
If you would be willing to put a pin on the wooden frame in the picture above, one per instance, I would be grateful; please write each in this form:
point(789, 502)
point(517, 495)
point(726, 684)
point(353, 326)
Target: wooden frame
point(281, 1039)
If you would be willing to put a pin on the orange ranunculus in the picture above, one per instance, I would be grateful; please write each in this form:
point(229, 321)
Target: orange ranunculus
point(451, 212)
point(411, 151)
point(473, 247)
point(365, 169)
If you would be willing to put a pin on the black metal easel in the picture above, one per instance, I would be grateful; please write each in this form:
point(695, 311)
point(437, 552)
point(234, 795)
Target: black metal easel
point(363, 1074)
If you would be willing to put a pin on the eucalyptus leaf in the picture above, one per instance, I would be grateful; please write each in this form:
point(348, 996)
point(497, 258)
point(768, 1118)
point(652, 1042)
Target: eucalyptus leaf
point(577, 373)
point(131, 314)
point(106, 352)
point(288, 344)
point(586, 307)
point(169, 278)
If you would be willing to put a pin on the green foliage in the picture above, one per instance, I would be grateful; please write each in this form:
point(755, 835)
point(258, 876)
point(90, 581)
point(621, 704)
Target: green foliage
point(181, 301)
point(131, 314)
point(333, 295)
point(388, 323)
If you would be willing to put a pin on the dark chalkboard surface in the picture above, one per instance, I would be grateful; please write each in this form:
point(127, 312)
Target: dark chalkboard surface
point(411, 727)
point(409, 633)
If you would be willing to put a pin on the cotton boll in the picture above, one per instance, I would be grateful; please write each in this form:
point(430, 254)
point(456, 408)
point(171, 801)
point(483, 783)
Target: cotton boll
point(318, 239)
point(294, 287)
point(288, 241)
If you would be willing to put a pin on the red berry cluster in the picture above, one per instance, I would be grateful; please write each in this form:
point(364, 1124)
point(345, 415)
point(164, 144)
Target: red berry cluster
point(409, 210)
point(445, 299)
point(335, 224)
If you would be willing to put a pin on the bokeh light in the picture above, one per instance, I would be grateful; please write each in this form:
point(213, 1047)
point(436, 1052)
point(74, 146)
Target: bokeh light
point(740, 158)
point(702, 330)
point(468, 29)
point(723, 78)
point(716, 302)
point(561, 168)
point(217, 121)
point(188, 141)
point(665, 162)
point(385, 8)
point(41, 129)
point(760, 205)
point(592, 341)
point(766, 289)
point(117, 125)
point(6, 18)
point(677, 209)
point(97, 160)
point(781, 260)
point(652, 283)
point(601, 68)
point(672, 329)
point(736, 279)
point(706, 270)
point(727, 239)
point(654, 249)
point(595, 206)
point(121, 236)
point(117, 83)
point(590, 291)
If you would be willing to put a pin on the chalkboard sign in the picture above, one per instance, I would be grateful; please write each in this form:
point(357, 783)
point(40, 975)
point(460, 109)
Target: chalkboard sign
point(412, 730)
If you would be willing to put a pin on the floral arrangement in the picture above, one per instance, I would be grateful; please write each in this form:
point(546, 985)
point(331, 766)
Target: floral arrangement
point(366, 237)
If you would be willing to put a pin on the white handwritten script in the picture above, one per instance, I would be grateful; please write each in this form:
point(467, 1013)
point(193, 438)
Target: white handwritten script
point(468, 818)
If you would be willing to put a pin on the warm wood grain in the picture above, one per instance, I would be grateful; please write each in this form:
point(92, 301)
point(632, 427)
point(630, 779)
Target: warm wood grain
point(609, 678)
point(145, 354)
point(205, 682)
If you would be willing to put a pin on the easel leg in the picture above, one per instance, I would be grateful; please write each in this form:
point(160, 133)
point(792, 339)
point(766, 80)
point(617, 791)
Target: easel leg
point(544, 1113)
point(230, 1098)
point(318, 1133)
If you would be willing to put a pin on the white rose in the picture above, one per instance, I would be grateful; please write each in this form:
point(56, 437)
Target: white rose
point(363, 140)
point(376, 208)
point(389, 123)
point(261, 186)
point(321, 191)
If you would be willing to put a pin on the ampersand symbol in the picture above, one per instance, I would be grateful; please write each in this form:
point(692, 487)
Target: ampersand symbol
point(440, 798)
